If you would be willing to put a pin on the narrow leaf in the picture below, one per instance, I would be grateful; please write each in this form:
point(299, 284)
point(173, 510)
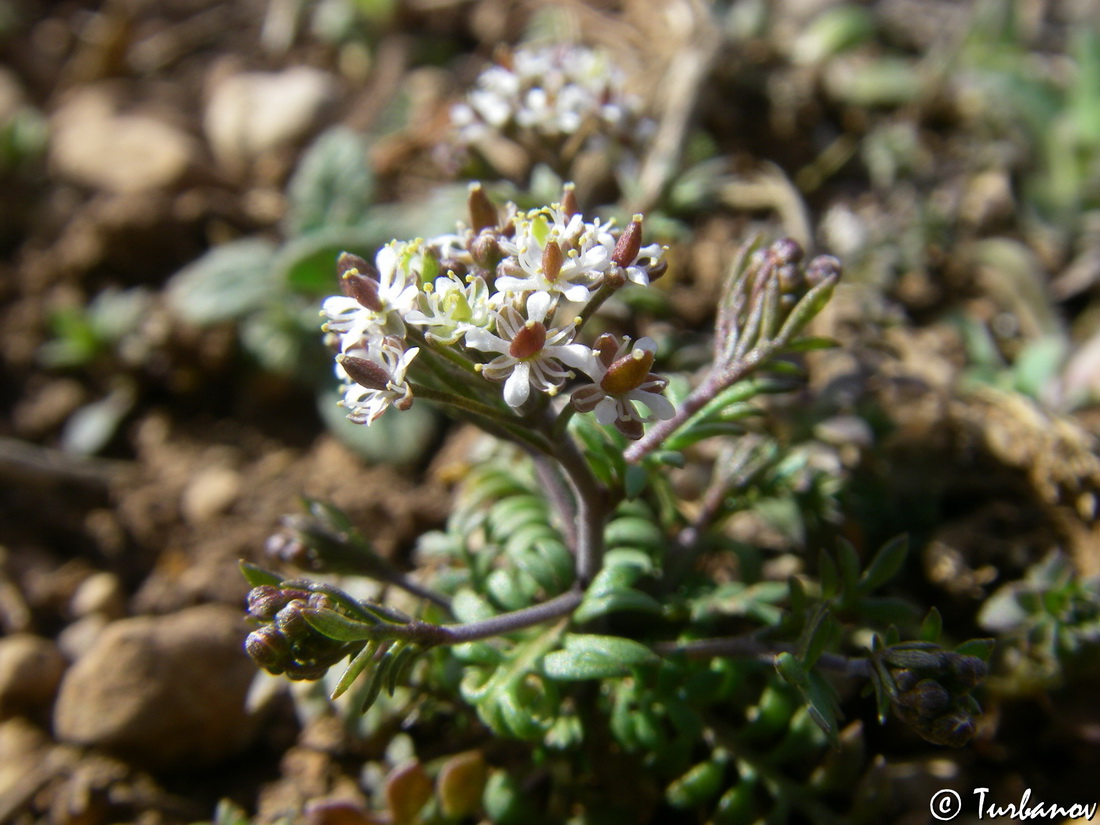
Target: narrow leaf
point(256, 575)
point(338, 627)
point(886, 564)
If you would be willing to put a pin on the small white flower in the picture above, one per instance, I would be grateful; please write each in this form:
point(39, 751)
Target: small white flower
point(393, 290)
point(620, 378)
point(451, 308)
point(374, 378)
point(553, 92)
point(581, 254)
point(531, 355)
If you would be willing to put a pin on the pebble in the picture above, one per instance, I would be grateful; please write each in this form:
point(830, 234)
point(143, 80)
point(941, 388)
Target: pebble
point(91, 144)
point(210, 493)
point(164, 692)
point(101, 593)
point(30, 671)
point(253, 113)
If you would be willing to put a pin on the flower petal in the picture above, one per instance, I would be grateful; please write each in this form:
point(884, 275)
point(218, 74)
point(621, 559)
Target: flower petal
point(518, 386)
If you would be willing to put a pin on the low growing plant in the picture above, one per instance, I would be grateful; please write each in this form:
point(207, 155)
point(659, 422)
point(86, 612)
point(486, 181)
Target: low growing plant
point(579, 598)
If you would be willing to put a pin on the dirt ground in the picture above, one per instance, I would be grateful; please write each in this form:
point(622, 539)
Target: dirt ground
point(203, 451)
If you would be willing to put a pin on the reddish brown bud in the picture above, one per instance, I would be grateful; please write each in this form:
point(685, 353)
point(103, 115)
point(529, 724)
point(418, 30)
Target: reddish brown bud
point(362, 288)
point(485, 250)
point(483, 214)
point(552, 259)
point(569, 200)
point(530, 339)
point(268, 648)
point(630, 243)
point(347, 262)
point(363, 372)
point(266, 600)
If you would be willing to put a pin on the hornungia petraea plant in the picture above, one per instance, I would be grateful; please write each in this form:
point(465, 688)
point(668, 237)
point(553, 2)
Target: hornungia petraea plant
point(570, 557)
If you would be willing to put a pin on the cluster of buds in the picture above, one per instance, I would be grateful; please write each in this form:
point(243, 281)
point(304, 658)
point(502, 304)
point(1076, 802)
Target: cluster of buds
point(504, 297)
point(771, 298)
point(929, 689)
point(286, 642)
point(551, 93)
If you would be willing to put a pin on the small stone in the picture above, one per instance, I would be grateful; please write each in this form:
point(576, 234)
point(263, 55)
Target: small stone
point(100, 593)
point(253, 113)
point(78, 637)
point(30, 670)
point(210, 494)
point(92, 145)
point(165, 692)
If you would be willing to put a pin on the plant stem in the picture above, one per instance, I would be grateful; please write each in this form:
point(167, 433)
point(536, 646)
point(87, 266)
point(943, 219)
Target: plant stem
point(554, 608)
point(750, 647)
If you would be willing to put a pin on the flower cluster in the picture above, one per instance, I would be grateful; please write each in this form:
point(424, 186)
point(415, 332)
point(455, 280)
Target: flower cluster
point(506, 298)
point(553, 92)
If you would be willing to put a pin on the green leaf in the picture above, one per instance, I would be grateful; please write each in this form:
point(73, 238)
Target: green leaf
point(338, 627)
point(358, 664)
point(830, 576)
point(229, 281)
point(791, 669)
point(257, 576)
point(821, 631)
point(333, 184)
point(619, 601)
point(849, 568)
point(931, 627)
point(982, 648)
point(886, 564)
point(588, 656)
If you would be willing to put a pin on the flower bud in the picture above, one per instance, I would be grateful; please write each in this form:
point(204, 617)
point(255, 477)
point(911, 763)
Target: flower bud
point(785, 251)
point(266, 600)
point(291, 623)
point(552, 259)
point(347, 262)
point(657, 270)
point(821, 269)
point(968, 671)
point(364, 372)
point(629, 243)
point(928, 698)
point(569, 200)
point(269, 649)
point(953, 729)
point(485, 250)
point(483, 214)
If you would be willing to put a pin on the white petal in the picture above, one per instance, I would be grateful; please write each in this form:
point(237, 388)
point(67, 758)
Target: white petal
point(607, 411)
point(518, 385)
point(538, 304)
point(482, 339)
point(575, 355)
point(660, 406)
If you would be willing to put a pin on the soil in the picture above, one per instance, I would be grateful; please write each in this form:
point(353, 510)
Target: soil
point(211, 452)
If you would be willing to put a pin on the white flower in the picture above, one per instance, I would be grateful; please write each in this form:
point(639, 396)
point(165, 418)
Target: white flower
point(451, 308)
point(374, 378)
point(550, 91)
point(552, 252)
point(375, 301)
point(530, 354)
point(620, 378)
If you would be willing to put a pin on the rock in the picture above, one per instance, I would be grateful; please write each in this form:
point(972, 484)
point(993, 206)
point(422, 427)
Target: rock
point(92, 145)
point(23, 748)
point(165, 692)
point(30, 670)
point(210, 493)
point(101, 593)
point(253, 113)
